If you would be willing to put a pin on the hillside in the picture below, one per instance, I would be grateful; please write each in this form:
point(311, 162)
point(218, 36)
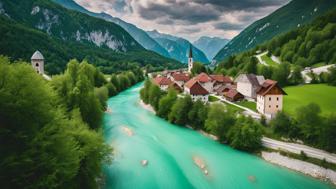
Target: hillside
point(293, 15)
point(177, 47)
point(311, 45)
point(61, 34)
point(210, 45)
point(138, 34)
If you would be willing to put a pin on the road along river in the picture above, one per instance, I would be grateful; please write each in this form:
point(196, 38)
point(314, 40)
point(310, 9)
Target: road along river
point(151, 153)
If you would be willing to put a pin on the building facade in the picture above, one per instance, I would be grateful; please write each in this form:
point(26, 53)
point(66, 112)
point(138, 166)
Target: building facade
point(249, 84)
point(37, 61)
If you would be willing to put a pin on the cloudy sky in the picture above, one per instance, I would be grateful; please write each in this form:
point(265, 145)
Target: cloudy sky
point(188, 18)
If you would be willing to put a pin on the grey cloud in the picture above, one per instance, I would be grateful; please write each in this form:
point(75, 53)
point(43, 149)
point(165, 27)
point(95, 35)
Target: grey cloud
point(229, 26)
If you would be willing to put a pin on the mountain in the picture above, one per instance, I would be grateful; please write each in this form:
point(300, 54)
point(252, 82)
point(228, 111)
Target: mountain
point(293, 15)
point(138, 34)
point(210, 45)
point(61, 34)
point(177, 47)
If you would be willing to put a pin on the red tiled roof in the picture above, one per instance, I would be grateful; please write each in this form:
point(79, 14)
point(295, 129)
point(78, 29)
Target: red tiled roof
point(190, 83)
point(232, 93)
point(162, 81)
point(203, 78)
point(197, 89)
point(221, 78)
point(181, 77)
point(268, 85)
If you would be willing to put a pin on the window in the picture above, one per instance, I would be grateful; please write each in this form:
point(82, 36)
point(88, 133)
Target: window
point(277, 98)
point(269, 98)
point(37, 64)
point(277, 106)
point(269, 106)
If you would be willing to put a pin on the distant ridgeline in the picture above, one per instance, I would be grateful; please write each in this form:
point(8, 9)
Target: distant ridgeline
point(61, 35)
point(314, 43)
point(291, 16)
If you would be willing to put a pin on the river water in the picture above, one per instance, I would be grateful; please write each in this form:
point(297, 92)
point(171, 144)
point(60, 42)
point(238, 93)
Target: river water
point(137, 134)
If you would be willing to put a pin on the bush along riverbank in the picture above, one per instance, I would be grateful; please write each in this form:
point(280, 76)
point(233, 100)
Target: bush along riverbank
point(240, 132)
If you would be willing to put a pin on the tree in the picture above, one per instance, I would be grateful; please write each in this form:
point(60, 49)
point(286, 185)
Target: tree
point(112, 90)
point(281, 124)
point(102, 94)
point(198, 114)
point(296, 76)
point(179, 111)
point(309, 122)
point(144, 92)
point(245, 135)
point(154, 95)
point(115, 81)
point(251, 66)
point(198, 68)
point(328, 133)
point(281, 74)
point(266, 71)
point(166, 103)
point(331, 77)
point(219, 121)
point(43, 145)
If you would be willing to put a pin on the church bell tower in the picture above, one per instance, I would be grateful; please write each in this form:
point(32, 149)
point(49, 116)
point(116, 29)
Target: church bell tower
point(190, 59)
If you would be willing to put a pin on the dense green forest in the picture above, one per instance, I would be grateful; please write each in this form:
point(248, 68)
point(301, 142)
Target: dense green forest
point(292, 15)
point(308, 45)
point(239, 132)
point(50, 134)
point(62, 34)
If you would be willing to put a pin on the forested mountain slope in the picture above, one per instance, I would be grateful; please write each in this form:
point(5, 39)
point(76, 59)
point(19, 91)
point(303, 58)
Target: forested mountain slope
point(293, 15)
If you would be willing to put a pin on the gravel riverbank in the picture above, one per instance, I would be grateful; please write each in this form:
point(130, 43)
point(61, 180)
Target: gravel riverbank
point(300, 166)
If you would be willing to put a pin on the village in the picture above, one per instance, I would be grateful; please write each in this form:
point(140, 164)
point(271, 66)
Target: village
point(266, 93)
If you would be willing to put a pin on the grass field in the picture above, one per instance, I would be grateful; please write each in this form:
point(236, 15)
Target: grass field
point(213, 99)
point(248, 104)
point(321, 94)
point(268, 60)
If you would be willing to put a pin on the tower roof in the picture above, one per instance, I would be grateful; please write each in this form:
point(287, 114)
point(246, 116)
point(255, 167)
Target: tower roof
point(190, 51)
point(37, 56)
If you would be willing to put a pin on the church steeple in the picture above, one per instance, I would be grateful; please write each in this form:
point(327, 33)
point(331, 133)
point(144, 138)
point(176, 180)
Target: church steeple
point(190, 51)
point(190, 59)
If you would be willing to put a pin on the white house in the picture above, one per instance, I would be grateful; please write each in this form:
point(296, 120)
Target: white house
point(196, 91)
point(249, 84)
point(270, 98)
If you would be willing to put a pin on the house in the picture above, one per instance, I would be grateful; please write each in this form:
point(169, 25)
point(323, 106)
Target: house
point(180, 78)
point(196, 91)
point(249, 84)
point(270, 98)
point(176, 87)
point(221, 80)
point(233, 95)
point(162, 82)
point(223, 89)
point(206, 81)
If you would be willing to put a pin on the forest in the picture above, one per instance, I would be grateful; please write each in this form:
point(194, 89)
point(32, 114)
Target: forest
point(306, 46)
point(51, 131)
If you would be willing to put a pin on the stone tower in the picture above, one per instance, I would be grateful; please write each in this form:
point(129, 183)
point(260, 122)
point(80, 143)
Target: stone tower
point(190, 59)
point(37, 61)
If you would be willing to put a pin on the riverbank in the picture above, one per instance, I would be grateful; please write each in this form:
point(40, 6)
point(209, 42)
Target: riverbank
point(306, 168)
point(300, 166)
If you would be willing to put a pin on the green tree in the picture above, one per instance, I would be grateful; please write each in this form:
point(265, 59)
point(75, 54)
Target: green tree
point(328, 133)
point(198, 114)
point(281, 74)
point(219, 121)
point(309, 122)
point(296, 76)
point(115, 81)
point(245, 135)
point(198, 68)
point(166, 103)
point(154, 95)
point(179, 111)
point(112, 90)
point(281, 124)
point(102, 94)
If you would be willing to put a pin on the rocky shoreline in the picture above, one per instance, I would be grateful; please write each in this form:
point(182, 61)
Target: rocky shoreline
point(300, 166)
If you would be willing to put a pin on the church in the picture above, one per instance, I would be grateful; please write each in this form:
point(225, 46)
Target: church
point(190, 59)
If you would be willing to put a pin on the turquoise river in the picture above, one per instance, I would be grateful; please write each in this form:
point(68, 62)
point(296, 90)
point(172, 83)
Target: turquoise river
point(137, 134)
